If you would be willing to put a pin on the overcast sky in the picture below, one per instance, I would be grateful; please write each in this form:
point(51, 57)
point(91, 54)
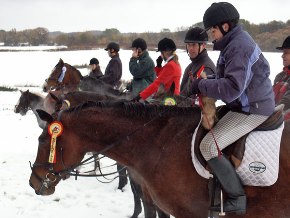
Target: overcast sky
point(127, 15)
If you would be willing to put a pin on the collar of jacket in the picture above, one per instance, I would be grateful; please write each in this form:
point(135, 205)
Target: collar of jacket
point(224, 41)
point(115, 56)
point(199, 56)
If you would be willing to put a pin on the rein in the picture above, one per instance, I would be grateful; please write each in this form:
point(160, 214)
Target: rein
point(198, 75)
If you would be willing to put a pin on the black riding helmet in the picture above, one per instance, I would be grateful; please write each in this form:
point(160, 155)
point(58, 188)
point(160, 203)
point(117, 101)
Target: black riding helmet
point(218, 14)
point(286, 44)
point(113, 45)
point(196, 35)
point(166, 44)
point(94, 61)
point(139, 43)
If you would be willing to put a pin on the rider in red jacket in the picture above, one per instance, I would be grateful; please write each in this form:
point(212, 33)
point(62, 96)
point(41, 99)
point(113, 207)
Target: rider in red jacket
point(169, 73)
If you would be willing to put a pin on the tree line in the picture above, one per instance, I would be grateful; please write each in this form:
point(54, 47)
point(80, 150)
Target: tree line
point(267, 35)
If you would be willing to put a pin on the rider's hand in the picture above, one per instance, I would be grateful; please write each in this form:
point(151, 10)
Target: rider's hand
point(135, 53)
point(159, 61)
point(194, 86)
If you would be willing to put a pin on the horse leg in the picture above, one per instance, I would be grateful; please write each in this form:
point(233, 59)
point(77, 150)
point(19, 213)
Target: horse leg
point(123, 180)
point(96, 162)
point(149, 207)
point(162, 214)
point(137, 193)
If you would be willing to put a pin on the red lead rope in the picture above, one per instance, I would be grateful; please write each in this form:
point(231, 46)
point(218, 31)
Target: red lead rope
point(210, 129)
point(201, 105)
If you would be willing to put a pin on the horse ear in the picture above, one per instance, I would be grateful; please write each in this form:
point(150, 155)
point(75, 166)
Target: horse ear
point(61, 61)
point(44, 115)
point(172, 89)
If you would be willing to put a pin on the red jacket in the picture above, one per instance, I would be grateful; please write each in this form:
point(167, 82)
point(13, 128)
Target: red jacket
point(169, 73)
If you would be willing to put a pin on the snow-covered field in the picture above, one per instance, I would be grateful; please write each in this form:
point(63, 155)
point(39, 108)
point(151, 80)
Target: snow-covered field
point(85, 197)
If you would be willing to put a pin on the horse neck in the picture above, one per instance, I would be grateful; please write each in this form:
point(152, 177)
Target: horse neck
point(72, 77)
point(35, 102)
point(131, 139)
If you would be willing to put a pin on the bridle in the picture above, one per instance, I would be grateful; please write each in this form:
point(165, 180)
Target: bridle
point(59, 84)
point(52, 176)
point(24, 107)
point(46, 181)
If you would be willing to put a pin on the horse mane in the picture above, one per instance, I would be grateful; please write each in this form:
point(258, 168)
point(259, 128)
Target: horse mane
point(37, 95)
point(74, 68)
point(137, 109)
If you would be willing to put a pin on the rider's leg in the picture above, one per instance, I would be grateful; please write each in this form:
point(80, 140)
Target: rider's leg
point(230, 128)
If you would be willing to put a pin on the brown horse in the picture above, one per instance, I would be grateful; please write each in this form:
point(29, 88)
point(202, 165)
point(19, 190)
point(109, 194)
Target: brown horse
point(154, 142)
point(68, 83)
point(73, 99)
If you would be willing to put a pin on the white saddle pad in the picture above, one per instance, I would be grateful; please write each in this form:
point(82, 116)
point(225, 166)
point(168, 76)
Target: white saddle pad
point(260, 164)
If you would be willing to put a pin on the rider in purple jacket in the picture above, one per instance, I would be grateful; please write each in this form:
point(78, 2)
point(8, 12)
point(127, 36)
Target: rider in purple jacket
point(243, 83)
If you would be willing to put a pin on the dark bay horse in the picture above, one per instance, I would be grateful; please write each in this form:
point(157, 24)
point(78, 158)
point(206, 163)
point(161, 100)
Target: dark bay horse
point(69, 82)
point(155, 143)
point(96, 85)
point(73, 99)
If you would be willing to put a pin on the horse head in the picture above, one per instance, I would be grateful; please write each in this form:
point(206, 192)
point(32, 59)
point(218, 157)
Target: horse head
point(63, 77)
point(23, 103)
point(52, 164)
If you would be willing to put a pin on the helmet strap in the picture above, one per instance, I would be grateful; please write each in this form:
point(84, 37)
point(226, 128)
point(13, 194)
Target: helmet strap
point(220, 26)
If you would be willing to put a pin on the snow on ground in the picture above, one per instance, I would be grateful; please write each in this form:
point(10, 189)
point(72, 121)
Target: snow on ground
point(85, 197)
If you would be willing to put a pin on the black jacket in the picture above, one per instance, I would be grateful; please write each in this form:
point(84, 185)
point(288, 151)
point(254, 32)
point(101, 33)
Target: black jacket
point(113, 72)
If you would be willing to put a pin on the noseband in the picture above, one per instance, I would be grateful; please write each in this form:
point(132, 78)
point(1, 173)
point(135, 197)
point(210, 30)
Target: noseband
point(46, 182)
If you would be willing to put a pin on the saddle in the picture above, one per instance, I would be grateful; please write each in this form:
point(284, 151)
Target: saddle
point(235, 151)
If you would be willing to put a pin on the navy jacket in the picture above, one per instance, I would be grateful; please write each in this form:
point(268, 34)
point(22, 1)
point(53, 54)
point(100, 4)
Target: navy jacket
point(242, 75)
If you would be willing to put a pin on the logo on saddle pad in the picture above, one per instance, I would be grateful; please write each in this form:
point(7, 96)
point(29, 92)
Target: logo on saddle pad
point(257, 167)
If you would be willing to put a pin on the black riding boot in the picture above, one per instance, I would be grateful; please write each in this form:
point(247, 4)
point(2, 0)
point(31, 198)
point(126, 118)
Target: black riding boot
point(227, 176)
